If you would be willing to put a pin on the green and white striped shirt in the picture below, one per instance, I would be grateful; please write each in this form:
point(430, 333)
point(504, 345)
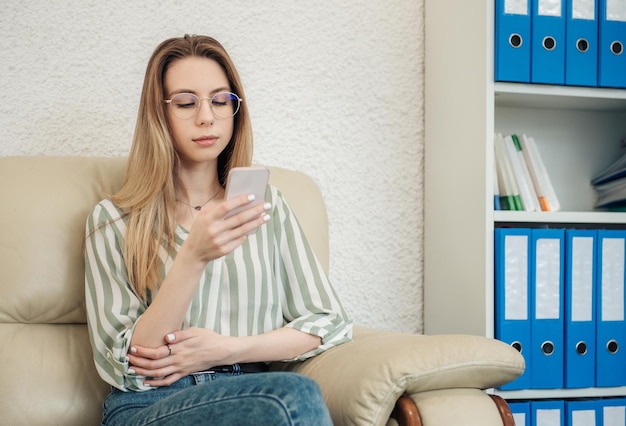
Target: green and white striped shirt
point(272, 280)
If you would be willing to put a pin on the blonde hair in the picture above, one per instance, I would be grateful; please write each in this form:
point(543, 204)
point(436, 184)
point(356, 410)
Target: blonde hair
point(148, 194)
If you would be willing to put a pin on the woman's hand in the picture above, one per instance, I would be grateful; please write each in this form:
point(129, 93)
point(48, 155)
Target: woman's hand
point(200, 349)
point(212, 235)
point(189, 351)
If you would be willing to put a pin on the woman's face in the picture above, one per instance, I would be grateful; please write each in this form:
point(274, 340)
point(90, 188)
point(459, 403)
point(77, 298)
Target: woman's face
point(202, 137)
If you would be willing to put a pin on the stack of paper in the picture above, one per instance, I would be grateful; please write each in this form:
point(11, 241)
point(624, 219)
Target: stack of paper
point(522, 178)
point(610, 185)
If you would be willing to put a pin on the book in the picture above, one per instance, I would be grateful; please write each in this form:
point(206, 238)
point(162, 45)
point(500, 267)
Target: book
point(611, 194)
point(509, 193)
point(616, 170)
point(521, 173)
point(496, 189)
point(539, 175)
point(526, 171)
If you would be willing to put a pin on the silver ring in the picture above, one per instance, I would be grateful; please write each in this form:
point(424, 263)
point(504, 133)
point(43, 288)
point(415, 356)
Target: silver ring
point(170, 349)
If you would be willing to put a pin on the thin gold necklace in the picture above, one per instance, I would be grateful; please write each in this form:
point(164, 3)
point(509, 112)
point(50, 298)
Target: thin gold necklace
point(199, 207)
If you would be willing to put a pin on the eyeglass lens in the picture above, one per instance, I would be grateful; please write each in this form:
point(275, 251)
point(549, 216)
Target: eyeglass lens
point(223, 105)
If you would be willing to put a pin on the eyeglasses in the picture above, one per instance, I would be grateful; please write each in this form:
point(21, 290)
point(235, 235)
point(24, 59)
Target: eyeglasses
point(186, 105)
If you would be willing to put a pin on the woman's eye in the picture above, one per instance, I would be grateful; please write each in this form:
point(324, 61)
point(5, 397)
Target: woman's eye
point(222, 100)
point(185, 101)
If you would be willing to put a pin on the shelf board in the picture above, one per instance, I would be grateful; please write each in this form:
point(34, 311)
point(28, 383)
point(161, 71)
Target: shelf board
point(561, 393)
point(591, 218)
point(560, 97)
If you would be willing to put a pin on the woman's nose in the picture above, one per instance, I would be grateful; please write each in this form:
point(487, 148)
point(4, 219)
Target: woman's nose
point(205, 112)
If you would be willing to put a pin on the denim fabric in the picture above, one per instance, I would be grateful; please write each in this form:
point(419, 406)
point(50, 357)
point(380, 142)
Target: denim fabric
point(222, 399)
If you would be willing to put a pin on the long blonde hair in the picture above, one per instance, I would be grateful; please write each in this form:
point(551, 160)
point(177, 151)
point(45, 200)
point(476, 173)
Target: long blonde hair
point(148, 194)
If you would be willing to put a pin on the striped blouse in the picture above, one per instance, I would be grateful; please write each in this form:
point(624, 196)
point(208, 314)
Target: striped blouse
point(272, 280)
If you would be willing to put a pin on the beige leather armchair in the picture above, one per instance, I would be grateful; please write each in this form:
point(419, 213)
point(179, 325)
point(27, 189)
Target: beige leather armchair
point(46, 367)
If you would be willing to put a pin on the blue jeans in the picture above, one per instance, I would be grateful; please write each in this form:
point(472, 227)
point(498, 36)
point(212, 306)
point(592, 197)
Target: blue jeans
point(238, 398)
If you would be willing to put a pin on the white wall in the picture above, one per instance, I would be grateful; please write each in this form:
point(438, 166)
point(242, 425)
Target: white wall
point(335, 90)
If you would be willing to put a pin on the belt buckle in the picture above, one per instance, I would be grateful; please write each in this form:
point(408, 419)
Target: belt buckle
point(225, 368)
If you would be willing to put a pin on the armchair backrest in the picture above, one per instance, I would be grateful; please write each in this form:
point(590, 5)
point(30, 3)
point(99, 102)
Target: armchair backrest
point(47, 367)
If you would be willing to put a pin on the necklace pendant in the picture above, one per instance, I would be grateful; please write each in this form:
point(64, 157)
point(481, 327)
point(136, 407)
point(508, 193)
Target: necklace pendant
point(198, 208)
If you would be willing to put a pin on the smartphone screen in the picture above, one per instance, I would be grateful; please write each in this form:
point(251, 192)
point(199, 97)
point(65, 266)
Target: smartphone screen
point(245, 181)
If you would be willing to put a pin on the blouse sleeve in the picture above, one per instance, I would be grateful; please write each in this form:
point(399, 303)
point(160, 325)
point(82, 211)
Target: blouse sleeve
point(310, 302)
point(112, 306)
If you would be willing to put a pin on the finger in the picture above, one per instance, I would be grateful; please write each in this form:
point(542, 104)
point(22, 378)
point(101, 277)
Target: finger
point(143, 352)
point(149, 353)
point(250, 218)
point(164, 381)
point(251, 226)
point(245, 204)
point(179, 336)
point(170, 337)
point(240, 201)
point(233, 206)
point(236, 236)
point(153, 373)
point(143, 364)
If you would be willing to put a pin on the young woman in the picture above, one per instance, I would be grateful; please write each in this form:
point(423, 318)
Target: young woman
point(184, 307)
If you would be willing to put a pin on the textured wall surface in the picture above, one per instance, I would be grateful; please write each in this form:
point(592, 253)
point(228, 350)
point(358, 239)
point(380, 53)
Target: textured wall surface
point(335, 90)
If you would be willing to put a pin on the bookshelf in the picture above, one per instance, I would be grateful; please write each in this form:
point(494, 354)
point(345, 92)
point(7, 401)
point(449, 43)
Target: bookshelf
point(578, 131)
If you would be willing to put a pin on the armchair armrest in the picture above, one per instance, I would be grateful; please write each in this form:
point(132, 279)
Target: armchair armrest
point(362, 380)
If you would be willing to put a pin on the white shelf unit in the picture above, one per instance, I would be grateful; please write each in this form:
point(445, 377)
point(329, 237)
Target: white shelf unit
point(578, 131)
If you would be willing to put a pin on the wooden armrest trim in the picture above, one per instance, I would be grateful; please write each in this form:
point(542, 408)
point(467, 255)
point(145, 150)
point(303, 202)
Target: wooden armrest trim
point(504, 410)
point(406, 412)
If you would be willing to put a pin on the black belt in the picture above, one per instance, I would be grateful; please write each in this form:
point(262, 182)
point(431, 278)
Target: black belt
point(246, 367)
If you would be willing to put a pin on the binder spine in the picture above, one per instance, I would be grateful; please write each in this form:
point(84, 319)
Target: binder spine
point(611, 54)
point(580, 325)
point(581, 51)
point(611, 326)
point(512, 41)
point(548, 42)
point(512, 253)
point(549, 412)
point(547, 321)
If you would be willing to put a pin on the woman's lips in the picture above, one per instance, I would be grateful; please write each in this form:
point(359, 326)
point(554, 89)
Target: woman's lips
point(205, 140)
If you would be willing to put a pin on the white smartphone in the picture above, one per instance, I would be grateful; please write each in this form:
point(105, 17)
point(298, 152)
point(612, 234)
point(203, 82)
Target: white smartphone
point(244, 181)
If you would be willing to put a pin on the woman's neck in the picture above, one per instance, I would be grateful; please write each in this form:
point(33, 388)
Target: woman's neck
point(198, 185)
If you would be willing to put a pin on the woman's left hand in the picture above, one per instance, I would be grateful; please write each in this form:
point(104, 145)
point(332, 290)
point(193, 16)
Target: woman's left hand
point(188, 351)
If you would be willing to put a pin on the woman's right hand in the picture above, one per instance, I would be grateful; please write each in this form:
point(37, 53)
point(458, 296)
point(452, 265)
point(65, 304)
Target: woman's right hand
point(214, 235)
point(185, 352)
